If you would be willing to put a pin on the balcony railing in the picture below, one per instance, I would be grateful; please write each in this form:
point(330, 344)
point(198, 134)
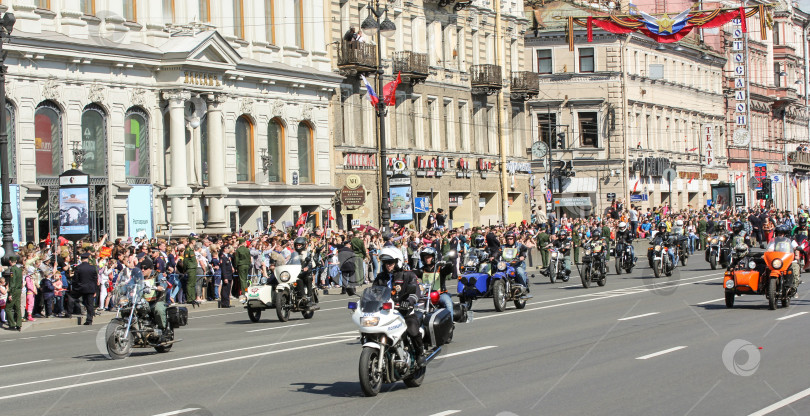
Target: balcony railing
point(357, 57)
point(800, 160)
point(412, 65)
point(525, 84)
point(486, 79)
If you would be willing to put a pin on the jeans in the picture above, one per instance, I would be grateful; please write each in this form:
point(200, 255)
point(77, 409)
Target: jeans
point(175, 282)
point(376, 265)
point(59, 302)
point(520, 270)
point(447, 302)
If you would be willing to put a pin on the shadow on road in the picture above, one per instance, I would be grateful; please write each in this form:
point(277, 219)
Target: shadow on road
point(102, 357)
point(339, 389)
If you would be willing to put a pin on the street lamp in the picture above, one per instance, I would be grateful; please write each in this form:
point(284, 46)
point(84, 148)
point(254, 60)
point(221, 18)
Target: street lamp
point(371, 26)
point(6, 26)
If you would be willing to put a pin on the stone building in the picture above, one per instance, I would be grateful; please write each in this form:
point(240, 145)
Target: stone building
point(201, 115)
point(447, 126)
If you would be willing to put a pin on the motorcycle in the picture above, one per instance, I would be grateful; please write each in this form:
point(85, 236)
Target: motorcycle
point(772, 274)
point(624, 258)
point(472, 259)
point(594, 264)
point(499, 282)
point(135, 326)
point(285, 298)
point(718, 252)
point(556, 266)
point(662, 263)
point(388, 355)
point(803, 251)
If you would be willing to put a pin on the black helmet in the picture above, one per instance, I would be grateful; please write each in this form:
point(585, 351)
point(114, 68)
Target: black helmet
point(662, 227)
point(737, 227)
point(596, 233)
point(300, 244)
point(478, 242)
point(782, 231)
point(562, 233)
point(802, 221)
point(509, 235)
point(427, 251)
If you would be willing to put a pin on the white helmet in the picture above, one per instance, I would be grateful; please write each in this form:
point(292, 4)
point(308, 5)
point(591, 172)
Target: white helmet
point(679, 223)
point(395, 253)
point(622, 226)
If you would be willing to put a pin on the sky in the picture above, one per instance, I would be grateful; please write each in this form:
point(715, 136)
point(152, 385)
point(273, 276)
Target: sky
point(804, 5)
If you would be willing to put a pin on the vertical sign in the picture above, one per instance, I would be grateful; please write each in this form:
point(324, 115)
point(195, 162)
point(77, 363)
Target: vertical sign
point(139, 210)
point(740, 74)
point(708, 143)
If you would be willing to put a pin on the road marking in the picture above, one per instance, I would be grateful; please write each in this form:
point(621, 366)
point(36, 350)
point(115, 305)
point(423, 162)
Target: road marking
point(656, 354)
point(566, 287)
point(179, 412)
point(639, 316)
point(334, 309)
point(211, 316)
point(446, 413)
point(165, 370)
point(275, 327)
point(791, 316)
point(29, 362)
point(782, 403)
point(710, 301)
point(466, 352)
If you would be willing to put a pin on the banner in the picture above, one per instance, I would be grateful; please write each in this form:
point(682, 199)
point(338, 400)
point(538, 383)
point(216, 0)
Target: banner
point(708, 144)
point(14, 193)
point(139, 211)
point(401, 206)
point(74, 211)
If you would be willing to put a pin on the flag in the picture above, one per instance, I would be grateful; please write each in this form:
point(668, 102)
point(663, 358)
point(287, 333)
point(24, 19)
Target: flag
point(302, 219)
point(48, 239)
point(372, 96)
point(690, 181)
point(331, 217)
point(635, 186)
point(390, 89)
point(692, 149)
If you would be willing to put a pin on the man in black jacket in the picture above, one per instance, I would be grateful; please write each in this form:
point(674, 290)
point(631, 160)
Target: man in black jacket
point(85, 280)
point(226, 268)
point(405, 291)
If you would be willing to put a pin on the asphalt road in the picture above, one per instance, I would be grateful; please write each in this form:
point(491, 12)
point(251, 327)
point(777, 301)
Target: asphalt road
point(638, 346)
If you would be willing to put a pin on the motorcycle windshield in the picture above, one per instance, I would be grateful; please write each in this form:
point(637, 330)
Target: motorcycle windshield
point(132, 289)
point(509, 254)
point(295, 259)
point(781, 245)
point(374, 297)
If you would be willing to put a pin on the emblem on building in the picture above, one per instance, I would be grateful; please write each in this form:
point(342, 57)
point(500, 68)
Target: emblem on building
point(246, 106)
point(138, 97)
point(51, 90)
point(278, 108)
point(96, 93)
point(306, 112)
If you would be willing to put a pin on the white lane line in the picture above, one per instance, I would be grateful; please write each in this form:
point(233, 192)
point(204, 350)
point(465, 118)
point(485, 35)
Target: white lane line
point(446, 413)
point(656, 354)
point(29, 362)
point(782, 403)
point(219, 314)
point(639, 316)
point(275, 327)
point(791, 316)
point(334, 309)
point(710, 301)
point(565, 287)
point(466, 352)
point(179, 412)
point(165, 370)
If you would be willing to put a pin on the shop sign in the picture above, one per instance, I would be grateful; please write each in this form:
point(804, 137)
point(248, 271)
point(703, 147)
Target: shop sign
point(456, 200)
point(485, 165)
point(518, 167)
point(463, 166)
point(360, 161)
point(431, 166)
point(708, 140)
point(689, 175)
point(711, 176)
point(638, 197)
point(353, 198)
point(651, 166)
point(581, 201)
point(391, 160)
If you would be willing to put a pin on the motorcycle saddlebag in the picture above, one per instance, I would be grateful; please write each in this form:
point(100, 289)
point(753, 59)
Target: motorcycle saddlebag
point(438, 325)
point(747, 278)
point(178, 316)
point(459, 312)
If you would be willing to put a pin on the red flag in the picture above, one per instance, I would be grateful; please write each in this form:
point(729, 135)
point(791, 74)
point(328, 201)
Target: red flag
point(692, 149)
point(331, 217)
point(48, 239)
point(690, 181)
point(635, 186)
point(742, 20)
point(302, 219)
point(390, 89)
point(590, 28)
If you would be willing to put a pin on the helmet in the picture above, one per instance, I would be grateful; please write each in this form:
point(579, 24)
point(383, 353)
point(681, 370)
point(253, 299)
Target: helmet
point(434, 297)
point(389, 254)
point(427, 251)
point(562, 233)
point(737, 227)
point(782, 231)
point(596, 233)
point(622, 226)
point(662, 228)
point(300, 244)
point(509, 235)
point(802, 221)
point(478, 242)
point(679, 223)
point(741, 250)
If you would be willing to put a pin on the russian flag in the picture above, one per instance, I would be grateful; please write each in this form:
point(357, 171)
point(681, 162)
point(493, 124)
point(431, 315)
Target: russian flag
point(372, 96)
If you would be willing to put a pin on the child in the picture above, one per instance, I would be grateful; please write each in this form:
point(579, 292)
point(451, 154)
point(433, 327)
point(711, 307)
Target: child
point(48, 289)
point(58, 293)
point(3, 297)
point(30, 292)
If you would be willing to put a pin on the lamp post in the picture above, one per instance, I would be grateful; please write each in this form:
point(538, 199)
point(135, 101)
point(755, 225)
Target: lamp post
point(371, 26)
point(6, 26)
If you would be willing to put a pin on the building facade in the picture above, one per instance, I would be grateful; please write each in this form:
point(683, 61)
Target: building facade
point(622, 110)
point(460, 107)
point(201, 115)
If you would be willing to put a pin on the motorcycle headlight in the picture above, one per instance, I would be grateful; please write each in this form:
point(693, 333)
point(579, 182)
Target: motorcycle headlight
point(501, 265)
point(284, 277)
point(123, 301)
point(752, 265)
point(713, 241)
point(587, 251)
point(657, 248)
point(776, 263)
point(723, 238)
point(729, 284)
point(554, 255)
point(368, 321)
point(471, 263)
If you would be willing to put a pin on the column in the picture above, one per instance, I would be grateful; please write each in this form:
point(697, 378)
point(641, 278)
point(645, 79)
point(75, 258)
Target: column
point(179, 191)
point(216, 190)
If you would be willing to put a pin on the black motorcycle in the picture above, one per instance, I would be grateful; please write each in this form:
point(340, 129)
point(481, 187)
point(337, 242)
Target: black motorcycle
point(594, 264)
point(624, 258)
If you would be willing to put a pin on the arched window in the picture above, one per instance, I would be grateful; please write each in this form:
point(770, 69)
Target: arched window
point(275, 151)
point(305, 154)
point(136, 144)
point(12, 140)
point(244, 150)
point(94, 140)
point(48, 139)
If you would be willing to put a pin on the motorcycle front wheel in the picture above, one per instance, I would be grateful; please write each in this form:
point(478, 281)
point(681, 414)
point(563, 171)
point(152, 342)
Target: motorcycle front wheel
point(499, 295)
point(552, 272)
point(713, 263)
point(771, 294)
point(370, 378)
point(618, 265)
point(586, 277)
point(656, 266)
point(119, 346)
point(282, 309)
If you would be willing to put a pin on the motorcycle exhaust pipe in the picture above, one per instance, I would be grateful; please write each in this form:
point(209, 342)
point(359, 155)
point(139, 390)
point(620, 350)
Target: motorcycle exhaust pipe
point(167, 343)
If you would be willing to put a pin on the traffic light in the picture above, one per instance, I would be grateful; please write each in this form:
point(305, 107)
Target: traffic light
point(766, 189)
point(760, 195)
point(560, 140)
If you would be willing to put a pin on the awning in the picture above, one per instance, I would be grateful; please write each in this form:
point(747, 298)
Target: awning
point(579, 185)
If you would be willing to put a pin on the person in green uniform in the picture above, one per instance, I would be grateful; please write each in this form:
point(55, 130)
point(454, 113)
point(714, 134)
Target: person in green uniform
point(606, 237)
point(242, 259)
point(543, 241)
point(359, 249)
point(701, 229)
point(13, 312)
point(576, 241)
point(190, 264)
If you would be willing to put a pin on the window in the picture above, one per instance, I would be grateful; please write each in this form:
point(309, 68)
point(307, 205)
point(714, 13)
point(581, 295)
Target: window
point(48, 141)
point(238, 19)
point(586, 62)
point(131, 10)
point(544, 61)
point(269, 20)
point(547, 129)
point(136, 144)
point(305, 154)
point(168, 11)
point(433, 119)
point(275, 151)
point(12, 140)
point(43, 4)
point(463, 126)
point(88, 7)
point(205, 10)
point(298, 18)
point(588, 129)
point(449, 134)
point(244, 150)
point(777, 79)
point(777, 40)
point(94, 139)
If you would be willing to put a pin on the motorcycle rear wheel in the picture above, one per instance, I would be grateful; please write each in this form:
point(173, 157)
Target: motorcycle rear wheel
point(370, 380)
point(602, 281)
point(416, 379)
point(119, 347)
point(520, 303)
point(308, 314)
point(165, 348)
point(282, 310)
point(254, 314)
point(785, 298)
point(499, 295)
point(684, 259)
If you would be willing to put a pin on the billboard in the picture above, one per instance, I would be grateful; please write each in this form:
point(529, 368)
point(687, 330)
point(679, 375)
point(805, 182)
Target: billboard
point(74, 211)
point(401, 206)
point(139, 210)
point(14, 193)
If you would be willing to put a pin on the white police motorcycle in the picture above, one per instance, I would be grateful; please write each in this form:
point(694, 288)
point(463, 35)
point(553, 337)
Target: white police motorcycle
point(284, 299)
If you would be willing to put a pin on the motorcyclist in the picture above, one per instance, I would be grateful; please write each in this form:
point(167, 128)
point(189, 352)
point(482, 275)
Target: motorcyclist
point(563, 245)
point(404, 287)
point(431, 273)
point(664, 237)
point(300, 247)
point(155, 292)
point(624, 236)
point(780, 243)
point(520, 259)
point(801, 228)
point(738, 235)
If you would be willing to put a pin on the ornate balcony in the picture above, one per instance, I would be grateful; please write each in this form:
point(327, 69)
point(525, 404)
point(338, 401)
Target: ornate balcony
point(486, 79)
point(412, 65)
point(799, 160)
point(356, 58)
point(525, 85)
